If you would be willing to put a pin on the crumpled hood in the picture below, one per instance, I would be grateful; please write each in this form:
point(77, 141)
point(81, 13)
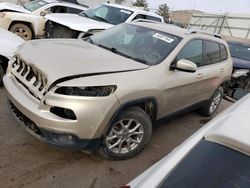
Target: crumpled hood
point(241, 63)
point(9, 43)
point(61, 58)
point(78, 23)
point(13, 7)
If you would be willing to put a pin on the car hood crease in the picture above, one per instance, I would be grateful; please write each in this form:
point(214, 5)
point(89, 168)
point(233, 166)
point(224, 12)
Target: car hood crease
point(68, 59)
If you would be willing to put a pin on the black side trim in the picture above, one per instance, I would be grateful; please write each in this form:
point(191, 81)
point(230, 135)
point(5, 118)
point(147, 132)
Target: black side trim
point(87, 75)
point(180, 112)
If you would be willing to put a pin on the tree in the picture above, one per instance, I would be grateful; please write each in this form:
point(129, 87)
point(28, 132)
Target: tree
point(163, 11)
point(140, 3)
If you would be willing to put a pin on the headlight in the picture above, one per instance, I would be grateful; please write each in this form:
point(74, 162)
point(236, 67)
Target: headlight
point(240, 72)
point(2, 14)
point(95, 91)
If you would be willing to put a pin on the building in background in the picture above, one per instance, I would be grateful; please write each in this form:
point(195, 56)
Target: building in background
point(227, 25)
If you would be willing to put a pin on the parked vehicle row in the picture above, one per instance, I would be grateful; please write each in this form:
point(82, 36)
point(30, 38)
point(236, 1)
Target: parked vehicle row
point(109, 102)
point(28, 21)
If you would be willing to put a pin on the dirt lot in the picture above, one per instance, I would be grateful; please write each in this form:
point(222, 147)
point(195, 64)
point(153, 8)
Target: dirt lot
point(27, 162)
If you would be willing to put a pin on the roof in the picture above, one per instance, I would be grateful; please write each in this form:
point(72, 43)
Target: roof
point(178, 31)
point(233, 131)
point(132, 9)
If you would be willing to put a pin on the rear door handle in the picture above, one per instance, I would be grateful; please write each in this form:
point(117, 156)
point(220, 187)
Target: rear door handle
point(199, 75)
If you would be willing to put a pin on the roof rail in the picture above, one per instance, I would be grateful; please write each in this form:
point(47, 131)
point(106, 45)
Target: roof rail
point(192, 31)
point(145, 20)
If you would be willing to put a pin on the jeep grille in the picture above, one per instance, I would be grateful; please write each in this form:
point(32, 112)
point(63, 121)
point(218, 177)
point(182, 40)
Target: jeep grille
point(30, 77)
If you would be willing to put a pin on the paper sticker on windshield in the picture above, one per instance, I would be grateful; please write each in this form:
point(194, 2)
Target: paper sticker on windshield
point(125, 11)
point(248, 49)
point(41, 3)
point(163, 37)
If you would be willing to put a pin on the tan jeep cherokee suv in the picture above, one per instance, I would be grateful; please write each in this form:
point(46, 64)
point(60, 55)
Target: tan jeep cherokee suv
point(106, 92)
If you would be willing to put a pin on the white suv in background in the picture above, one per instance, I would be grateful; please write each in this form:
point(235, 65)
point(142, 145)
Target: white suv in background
point(93, 20)
point(27, 21)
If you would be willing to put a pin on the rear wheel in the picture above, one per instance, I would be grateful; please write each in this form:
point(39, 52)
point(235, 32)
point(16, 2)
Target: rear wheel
point(210, 108)
point(128, 136)
point(22, 31)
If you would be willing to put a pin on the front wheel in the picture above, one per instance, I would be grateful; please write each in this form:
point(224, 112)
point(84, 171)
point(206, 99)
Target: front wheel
point(22, 31)
point(210, 108)
point(128, 135)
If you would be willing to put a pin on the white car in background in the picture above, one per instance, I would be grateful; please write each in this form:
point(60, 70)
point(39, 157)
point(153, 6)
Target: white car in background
point(94, 20)
point(9, 44)
point(216, 156)
point(28, 21)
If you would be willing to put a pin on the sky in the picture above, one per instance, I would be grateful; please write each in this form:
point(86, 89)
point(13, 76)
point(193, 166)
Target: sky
point(213, 6)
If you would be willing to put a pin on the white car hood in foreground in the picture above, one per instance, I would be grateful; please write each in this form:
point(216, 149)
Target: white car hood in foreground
point(71, 58)
point(13, 7)
point(9, 43)
point(230, 128)
point(78, 23)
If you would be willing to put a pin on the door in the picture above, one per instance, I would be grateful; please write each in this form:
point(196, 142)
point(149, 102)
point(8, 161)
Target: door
point(183, 88)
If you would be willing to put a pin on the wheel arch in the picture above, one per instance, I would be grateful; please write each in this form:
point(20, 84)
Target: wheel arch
point(147, 104)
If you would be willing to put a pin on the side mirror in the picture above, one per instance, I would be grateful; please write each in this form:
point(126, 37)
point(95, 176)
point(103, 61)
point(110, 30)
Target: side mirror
point(239, 93)
point(44, 13)
point(186, 66)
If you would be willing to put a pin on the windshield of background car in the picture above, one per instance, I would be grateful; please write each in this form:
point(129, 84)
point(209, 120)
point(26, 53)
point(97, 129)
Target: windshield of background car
point(109, 14)
point(34, 5)
point(135, 42)
point(240, 51)
point(211, 165)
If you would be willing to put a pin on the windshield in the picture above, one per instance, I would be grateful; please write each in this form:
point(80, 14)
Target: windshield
point(210, 165)
point(109, 14)
point(240, 51)
point(34, 5)
point(139, 43)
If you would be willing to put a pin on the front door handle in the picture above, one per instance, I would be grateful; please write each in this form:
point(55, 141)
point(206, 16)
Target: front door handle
point(222, 70)
point(199, 75)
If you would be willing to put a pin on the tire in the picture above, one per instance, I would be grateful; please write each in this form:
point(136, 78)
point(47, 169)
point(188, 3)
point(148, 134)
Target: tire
point(210, 108)
point(22, 31)
point(2, 72)
point(122, 139)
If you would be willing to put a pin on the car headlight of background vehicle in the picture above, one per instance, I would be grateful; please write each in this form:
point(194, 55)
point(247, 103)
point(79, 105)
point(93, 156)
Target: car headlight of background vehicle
point(240, 72)
point(94, 91)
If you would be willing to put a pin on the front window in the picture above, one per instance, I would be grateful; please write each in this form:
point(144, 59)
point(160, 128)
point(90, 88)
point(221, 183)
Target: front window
point(34, 5)
point(109, 14)
point(240, 51)
point(135, 42)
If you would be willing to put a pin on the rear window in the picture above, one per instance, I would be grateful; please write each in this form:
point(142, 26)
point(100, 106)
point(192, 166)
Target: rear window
point(223, 51)
point(210, 165)
point(212, 52)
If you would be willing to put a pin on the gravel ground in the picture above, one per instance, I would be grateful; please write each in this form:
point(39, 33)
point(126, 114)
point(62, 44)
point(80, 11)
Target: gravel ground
point(27, 162)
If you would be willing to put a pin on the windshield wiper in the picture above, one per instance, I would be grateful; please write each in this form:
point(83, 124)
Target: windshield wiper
point(116, 51)
point(102, 19)
point(84, 14)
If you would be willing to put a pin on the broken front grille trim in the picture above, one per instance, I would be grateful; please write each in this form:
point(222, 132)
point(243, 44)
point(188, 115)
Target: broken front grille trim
point(30, 78)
